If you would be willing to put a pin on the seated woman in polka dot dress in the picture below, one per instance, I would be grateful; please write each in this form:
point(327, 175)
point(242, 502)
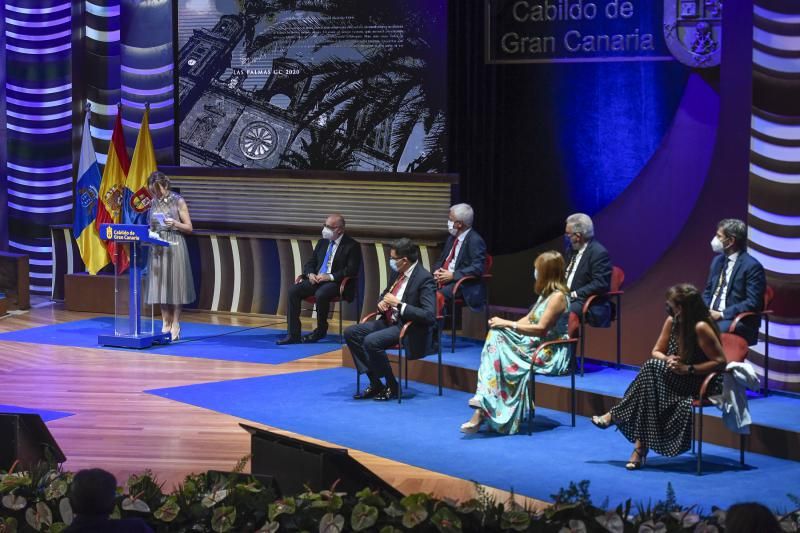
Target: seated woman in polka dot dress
point(656, 411)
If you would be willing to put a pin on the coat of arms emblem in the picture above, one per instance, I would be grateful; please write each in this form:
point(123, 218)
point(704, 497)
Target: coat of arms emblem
point(693, 31)
point(141, 200)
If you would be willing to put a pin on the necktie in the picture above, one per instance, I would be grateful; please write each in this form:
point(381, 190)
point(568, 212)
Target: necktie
point(326, 263)
point(723, 282)
point(452, 255)
point(571, 265)
point(389, 313)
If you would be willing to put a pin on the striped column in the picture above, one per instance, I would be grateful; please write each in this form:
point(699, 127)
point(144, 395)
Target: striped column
point(147, 72)
point(774, 210)
point(38, 114)
point(102, 69)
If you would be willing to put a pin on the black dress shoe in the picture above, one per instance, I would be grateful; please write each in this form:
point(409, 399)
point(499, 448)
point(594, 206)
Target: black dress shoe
point(314, 336)
point(369, 392)
point(288, 339)
point(386, 395)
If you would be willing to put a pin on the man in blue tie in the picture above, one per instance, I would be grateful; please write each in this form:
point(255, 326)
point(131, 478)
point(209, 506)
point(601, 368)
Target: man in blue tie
point(736, 281)
point(336, 256)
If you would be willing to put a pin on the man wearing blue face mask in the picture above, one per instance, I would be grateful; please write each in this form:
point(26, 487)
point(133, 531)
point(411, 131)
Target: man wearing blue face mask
point(463, 255)
point(409, 297)
point(736, 281)
point(335, 257)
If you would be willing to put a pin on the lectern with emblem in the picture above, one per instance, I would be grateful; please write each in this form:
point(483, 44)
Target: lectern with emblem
point(133, 317)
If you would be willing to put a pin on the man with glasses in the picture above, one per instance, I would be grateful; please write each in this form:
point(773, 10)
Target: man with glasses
point(409, 297)
point(588, 270)
point(336, 256)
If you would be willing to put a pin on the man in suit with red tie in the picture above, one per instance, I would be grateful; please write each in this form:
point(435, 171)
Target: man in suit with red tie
point(464, 254)
point(410, 297)
point(588, 270)
point(736, 281)
point(336, 256)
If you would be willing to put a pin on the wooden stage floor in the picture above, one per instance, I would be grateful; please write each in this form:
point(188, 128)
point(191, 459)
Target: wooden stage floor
point(119, 427)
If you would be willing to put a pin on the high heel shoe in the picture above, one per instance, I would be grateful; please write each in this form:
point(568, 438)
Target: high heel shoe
point(175, 331)
point(642, 456)
point(471, 427)
point(602, 422)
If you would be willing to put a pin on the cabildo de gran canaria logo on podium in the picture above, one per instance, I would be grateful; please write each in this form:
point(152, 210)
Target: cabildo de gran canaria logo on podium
point(693, 31)
point(109, 233)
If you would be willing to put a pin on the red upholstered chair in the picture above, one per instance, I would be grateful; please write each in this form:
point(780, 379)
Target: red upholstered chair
point(572, 341)
point(769, 294)
point(485, 277)
point(403, 361)
point(735, 348)
point(617, 279)
point(338, 299)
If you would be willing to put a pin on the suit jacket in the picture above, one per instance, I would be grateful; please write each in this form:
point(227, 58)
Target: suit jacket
point(593, 276)
point(346, 262)
point(470, 261)
point(419, 298)
point(745, 290)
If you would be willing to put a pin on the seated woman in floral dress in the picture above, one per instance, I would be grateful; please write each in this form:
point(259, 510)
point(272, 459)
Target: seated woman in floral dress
point(656, 411)
point(506, 358)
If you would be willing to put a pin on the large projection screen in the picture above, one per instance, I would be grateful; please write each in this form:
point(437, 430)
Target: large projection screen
point(313, 84)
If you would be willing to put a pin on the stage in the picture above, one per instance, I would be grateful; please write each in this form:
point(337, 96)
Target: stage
point(176, 409)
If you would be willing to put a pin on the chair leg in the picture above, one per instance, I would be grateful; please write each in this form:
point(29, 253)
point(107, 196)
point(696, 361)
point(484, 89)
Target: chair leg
point(439, 363)
point(619, 332)
point(700, 442)
point(453, 326)
point(573, 396)
point(341, 324)
point(694, 431)
point(400, 371)
point(531, 401)
point(583, 344)
point(358, 381)
point(741, 449)
point(765, 391)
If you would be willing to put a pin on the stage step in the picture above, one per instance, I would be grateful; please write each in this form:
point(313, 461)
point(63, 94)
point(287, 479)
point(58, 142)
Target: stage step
point(775, 431)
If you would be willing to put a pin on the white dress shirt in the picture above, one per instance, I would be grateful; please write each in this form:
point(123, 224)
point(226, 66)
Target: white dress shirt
point(571, 274)
point(731, 261)
point(403, 286)
point(459, 243)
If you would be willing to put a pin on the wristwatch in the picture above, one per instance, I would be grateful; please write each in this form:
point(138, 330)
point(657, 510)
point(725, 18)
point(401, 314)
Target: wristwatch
point(691, 369)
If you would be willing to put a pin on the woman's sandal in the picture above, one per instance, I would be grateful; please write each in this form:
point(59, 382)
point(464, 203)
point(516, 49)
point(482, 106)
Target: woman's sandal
point(602, 422)
point(641, 453)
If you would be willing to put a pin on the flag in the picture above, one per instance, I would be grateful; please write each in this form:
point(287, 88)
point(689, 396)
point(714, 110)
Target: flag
point(109, 206)
point(136, 198)
point(92, 249)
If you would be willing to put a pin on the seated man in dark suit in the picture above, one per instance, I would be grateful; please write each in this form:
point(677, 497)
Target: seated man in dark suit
point(92, 496)
point(464, 254)
point(736, 281)
point(410, 297)
point(588, 270)
point(335, 257)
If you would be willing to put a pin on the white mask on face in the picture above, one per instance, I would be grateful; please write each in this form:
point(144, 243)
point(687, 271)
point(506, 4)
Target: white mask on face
point(451, 228)
point(535, 274)
point(327, 233)
point(716, 245)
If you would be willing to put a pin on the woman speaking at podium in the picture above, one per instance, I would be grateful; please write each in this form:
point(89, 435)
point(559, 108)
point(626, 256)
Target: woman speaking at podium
point(170, 283)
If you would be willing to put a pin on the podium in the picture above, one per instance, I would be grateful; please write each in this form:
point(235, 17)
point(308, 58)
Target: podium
point(133, 319)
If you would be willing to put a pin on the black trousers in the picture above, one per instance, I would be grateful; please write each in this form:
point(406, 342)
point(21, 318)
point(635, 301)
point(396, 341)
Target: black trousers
point(368, 343)
point(323, 292)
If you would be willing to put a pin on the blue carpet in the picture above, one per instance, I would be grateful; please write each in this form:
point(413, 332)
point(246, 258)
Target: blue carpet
point(423, 432)
point(46, 415)
point(207, 341)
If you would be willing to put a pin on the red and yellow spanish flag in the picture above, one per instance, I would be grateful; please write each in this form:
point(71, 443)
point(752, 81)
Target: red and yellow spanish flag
point(109, 208)
point(136, 200)
point(92, 249)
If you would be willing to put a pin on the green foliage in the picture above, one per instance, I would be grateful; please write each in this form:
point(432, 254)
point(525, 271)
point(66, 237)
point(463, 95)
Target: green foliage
point(235, 502)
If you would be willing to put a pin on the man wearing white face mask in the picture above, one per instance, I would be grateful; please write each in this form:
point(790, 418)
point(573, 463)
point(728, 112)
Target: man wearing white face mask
point(736, 281)
point(335, 257)
point(409, 297)
point(463, 254)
